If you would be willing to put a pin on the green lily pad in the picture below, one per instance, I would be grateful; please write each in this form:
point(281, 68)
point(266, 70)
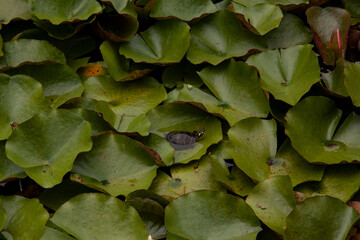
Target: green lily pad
point(3, 216)
point(290, 32)
point(18, 52)
point(59, 82)
point(91, 216)
point(272, 200)
point(53, 234)
point(194, 176)
point(20, 99)
point(98, 125)
point(287, 73)
point(76, 46)
point(186, 11)
point(315, 138)
point(56, 13)
point(1, 44)
point(47, 144)
point(325, 36)
point(181, 117)
point(210, 215)
point(8, 169)
point(163, 43)
point(26, 218)
point(123, 104)
point(320, 218)
point(183, 72)
point(352, 6)
point(13, 9)
point(216, 38)
point(250, 3)
point(260, 18)
point(120, 68)
point(124, 167)
point(334, 80)
point(161, 146)
point(351, 80)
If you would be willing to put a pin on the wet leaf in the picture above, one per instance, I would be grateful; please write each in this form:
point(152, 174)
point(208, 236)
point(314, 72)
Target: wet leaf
point(13, 9)
point(272, 200)
point(320, 218)
point(210, 215)
point(163, 43)
point(26, 218)
point(8, 169)
point(56, 13)
point(351, 79)
point(185, 11)
point(180, 117)
point(47, 144)
point(21, 98)
point(91, 216)
point(216, 38)
point(287, 73)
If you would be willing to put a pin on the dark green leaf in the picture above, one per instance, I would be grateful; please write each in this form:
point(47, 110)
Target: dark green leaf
point(53, 234)
point(13, 9)
point(334, 80)
point(8, 169)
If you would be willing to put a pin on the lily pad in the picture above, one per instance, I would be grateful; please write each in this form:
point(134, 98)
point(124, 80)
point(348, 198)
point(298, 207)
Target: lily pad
point(26, 218)
point(163, 43)
point(186, 11)
point(180, 117)
point(334, 80)
point(161, 146)
point(56, 13)
point(13, 9)
point(98, 125)
point(216, 38)
point(1, 44)
point(124, 167)
point(210, 215)
point(194, 176)
point(3, 216)
point(120, 68)
point(53, 234)
point(290, 32)
point(59, 82)
point(123, 104)
point(47, 144)
point(317, 138)
point(250, 3)
point(91, 216)
point(325, 35)
point(322, 217)
point(260, 18)
point(183, 72)
point(8, 169)
point(352, 6)
point(272, 201)
point(21, 98)
point(351, 81)
point(18, 52)
point(287, 73)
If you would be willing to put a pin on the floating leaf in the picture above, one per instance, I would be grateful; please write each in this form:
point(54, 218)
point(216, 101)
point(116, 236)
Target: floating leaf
point(287, 73)
point(260, 18)
point(220, 36)
point(163, 43)
point(1, 44)
point(194, 176)
point(53, 234)
point(322, 218)
point(180, 117)
point(351, 80)
point(59, 82)
point(330, 38)
point(352, 6)
point(315, 137)
point(161, 146)
point(98, 125)
point(26, 218)
point(12, 9)
point(210, 215)
point(115, 165)
point(334, 80)
point(21, 98)
point(56, 13)
point(272, 200)
point(91, 216)
point(250, 3)
point(185, 11)
point(290, 32)
point(183, 72)
point(3, 216)
point(8, 169)
point(77, 46)
point(18, 52)
point(47, 144)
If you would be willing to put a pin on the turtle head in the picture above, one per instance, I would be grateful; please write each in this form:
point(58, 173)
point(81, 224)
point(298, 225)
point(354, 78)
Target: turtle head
point(198, 134)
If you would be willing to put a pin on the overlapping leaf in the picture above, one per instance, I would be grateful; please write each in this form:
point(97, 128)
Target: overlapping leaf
point(351, 80)
point(53, 234)
point(12, 9)
point(8, 169)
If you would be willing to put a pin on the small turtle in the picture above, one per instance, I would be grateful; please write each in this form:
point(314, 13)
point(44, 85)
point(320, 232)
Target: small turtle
point(181, 138)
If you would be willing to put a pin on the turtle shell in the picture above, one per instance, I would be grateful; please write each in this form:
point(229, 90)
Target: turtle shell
point(181, 138)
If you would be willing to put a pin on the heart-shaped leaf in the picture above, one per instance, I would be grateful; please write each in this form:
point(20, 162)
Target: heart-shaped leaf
point(210, 215)
point(22, 51)
point(91, 216)
point(272, 200)
point(320, 218)
point(351, 80)
point(98, 125)
point(26, 218)
point(12, 9)
point(47, 144)
point(8, 169)
point(317, 138)
point(185, 11)
point(220, 36)
point(124, 167)
point(287, 73)
point(53, 234)
point(21, 98)
point(56, 13)
point(181, 117)
point(163, 43)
